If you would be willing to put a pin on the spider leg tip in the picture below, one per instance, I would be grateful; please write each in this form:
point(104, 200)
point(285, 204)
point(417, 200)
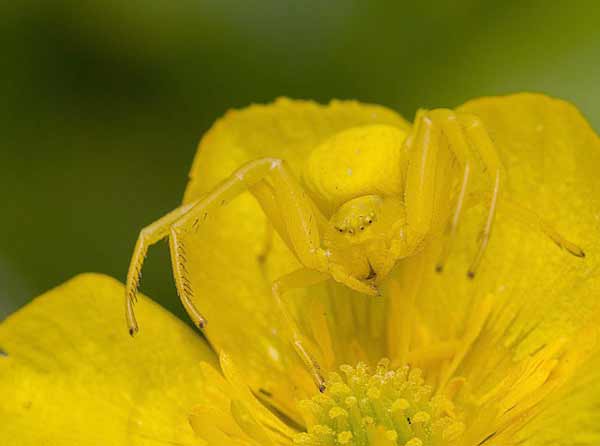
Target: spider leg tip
point(202, 324)
point(133, 331)
point(322, 388)
point(439, 268)
point(471, 274)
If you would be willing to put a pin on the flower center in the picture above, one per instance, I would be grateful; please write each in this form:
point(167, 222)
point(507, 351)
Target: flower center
point(388, 407)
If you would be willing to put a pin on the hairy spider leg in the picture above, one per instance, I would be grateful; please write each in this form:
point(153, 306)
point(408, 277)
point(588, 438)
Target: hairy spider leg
point(163, 227)
point(148, 236)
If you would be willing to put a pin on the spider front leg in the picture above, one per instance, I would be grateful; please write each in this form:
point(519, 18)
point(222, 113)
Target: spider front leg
point(276, 189)
point(245, 177)
point(149, 236)
point(436, 135)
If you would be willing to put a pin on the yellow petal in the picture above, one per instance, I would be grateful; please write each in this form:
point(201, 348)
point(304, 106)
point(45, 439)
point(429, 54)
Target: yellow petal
point(570, 415)
point(232, 289)
point(72, 375)
point(551, 158)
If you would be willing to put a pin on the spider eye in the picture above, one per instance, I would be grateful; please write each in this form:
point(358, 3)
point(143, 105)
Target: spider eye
point(362, 228)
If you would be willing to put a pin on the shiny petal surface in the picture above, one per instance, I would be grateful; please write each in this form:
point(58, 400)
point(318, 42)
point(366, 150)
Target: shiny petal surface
point(71, 375)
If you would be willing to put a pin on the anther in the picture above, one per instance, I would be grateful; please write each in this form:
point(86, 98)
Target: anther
point(358, 400)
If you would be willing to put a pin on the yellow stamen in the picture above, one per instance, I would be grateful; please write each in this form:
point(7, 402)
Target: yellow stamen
point(387, 407)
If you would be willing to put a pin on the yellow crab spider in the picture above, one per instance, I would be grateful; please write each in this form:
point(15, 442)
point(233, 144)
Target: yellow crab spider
point(369, 196)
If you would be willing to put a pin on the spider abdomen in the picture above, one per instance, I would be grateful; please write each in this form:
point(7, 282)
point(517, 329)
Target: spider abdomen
point(366, 160)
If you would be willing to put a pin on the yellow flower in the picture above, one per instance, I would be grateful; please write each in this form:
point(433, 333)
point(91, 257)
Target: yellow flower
point(508, 358)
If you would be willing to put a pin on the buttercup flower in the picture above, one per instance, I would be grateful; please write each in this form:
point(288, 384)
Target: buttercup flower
point(510, 357)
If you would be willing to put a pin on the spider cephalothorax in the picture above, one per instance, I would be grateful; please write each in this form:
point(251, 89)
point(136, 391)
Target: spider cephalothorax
point(356, 215)
point(359, 234)
point(368, 197)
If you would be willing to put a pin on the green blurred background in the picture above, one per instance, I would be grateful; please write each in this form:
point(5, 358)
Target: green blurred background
point(103, 102)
